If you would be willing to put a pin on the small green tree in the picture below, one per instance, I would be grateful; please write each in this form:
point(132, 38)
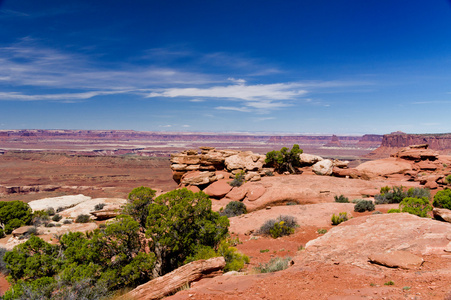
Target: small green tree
point(178, 222)
point(14, 214)
point(139, 200)
point(284, 160)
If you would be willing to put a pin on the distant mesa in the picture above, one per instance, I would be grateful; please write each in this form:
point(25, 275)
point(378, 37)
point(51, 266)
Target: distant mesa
point(335, 142)
point(393, 142)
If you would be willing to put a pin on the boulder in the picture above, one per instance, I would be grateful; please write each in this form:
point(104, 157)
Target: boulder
point(218, 189)
point(323, 167)
point(21, 231)
point(352, 242)
point(397, 259)
point(245, 161)
point(254, 192)
point(341, 163)
point(252, 176)
point(185, 159)
point(309, 159)
point(416, 153)
point(237, 193)
point(384, 167)
point(431, 185)
point(193, 188)
point(442, 214)
point(349, 173)
point(198, 178)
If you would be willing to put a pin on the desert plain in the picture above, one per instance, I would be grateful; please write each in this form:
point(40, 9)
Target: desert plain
point(371, 256)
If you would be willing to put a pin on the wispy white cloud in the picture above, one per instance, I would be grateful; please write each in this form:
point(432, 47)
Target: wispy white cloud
point(276, 91)
point(241, 109)
point(197, 100)
point(186, 126)
point(165, 126)
point(54, 97)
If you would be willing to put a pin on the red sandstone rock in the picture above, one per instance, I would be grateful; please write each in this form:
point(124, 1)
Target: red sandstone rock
point(351, 173)
point(431, 185)
point(237, 193)
point(193, 188)
point(442, 214)
point(323, 167)
point(397, 259)
point(384, 167)
point(426, 165)
point(218, 189)
point(255, 192)
point(198, 178)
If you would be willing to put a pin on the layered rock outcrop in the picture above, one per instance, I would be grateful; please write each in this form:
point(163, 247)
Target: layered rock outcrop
point(414, 163)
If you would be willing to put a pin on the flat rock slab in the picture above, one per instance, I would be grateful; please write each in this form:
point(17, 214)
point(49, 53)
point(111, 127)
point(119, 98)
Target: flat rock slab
point(397, 259)
point(352, 242)
point(56, 202)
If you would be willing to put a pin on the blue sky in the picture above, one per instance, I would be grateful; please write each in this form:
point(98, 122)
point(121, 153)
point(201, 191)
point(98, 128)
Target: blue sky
point(336, 67)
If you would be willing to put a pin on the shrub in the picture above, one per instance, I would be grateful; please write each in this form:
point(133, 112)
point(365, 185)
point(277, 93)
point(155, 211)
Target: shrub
point(234, 208)
point(341, 199)
point(342, 217)
point(57, 218)
point(50, 211)
point(274, 265)
point(283, 225)
point(443, 199)
point(238, 180)
point(67, 221)
point(377, 213)
point(418, 193)
point(284, 160)
point(99, 206)
point(364, 205)
point(448, 179)
point(2, 233)
point(393, 211)
point(322, 231)
point(3, 268)
point(235, 260)
point(416, 206)
point(139, 200)
point(269, 173)
point(32, 231)
point(82, 218)
point(50, 225)
point(60, 209)
point(394, 195)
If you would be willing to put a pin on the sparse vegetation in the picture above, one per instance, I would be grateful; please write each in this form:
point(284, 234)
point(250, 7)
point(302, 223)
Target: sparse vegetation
point(388, 196)
point(264, 250)
point(57, 218)
point(99, 206)
point(234, 208)
point(322, 231)
point(238, 180)
point(274, 265)
point(341, 199)
point(50, 211)
point(389, 283)
point(443, 199)
point(284, 160)
point(67, 221)
point(416, 206)
point(448, 179)
point(342, 217)
point(396, 194)
point(364, 205)
point(283, 225)
point(82, 218)
point(394, 211)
